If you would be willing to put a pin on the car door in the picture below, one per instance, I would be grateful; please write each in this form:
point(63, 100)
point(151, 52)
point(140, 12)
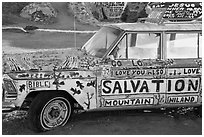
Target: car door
point(184, 68)
point(134, 75)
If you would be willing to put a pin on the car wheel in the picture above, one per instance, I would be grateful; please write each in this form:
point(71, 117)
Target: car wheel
point(49, 110)
point(198, 110)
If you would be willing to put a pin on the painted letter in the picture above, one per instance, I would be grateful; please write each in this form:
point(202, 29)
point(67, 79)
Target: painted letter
point(133, 85)
point(144, 86)
point(157, 84)
point(190, 85)
point(108, 103)
point(177, 88)
point(117, 87)
point(125, 88)
point(169, 85)
point(108, 89)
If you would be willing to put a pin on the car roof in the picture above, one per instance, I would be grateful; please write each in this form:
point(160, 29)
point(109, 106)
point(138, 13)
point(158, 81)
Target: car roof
point(169, 26)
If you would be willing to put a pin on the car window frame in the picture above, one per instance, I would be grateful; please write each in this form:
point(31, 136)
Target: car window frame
point(160, 54)
point(180, 32)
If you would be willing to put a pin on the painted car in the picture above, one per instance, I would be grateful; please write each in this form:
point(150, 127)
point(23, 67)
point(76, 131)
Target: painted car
point(125, 65)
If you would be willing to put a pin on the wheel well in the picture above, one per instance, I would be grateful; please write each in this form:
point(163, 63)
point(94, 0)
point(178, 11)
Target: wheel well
point(29, 98)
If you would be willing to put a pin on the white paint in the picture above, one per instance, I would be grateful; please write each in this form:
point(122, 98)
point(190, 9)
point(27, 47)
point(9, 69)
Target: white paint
point(128, 102)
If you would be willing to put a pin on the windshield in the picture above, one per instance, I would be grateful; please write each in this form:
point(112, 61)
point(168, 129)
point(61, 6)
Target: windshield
point(101, 41)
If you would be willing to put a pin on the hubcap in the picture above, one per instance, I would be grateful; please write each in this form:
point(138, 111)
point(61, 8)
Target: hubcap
point(55, 113)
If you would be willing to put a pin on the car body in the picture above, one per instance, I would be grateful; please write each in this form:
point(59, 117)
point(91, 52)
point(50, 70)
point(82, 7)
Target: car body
point(124, 65)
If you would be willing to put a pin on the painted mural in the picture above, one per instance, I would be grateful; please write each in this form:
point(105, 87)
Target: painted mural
point(48, 61)
point(94, 83)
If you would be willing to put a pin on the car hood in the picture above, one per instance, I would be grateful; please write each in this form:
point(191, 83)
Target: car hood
point(58, 59)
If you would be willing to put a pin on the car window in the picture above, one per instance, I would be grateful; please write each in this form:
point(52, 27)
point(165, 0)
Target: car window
point(143, 45)
point(138, 46)
point(101, 41)
point(183, 45)
point(119, 52)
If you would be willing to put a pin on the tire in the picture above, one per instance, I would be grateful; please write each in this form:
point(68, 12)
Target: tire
point(198, 110)
point(49, 110)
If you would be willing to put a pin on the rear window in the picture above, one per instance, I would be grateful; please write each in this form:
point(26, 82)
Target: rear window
point(184, 45)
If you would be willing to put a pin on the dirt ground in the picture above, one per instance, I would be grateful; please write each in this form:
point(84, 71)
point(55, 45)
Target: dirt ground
point(128, 122)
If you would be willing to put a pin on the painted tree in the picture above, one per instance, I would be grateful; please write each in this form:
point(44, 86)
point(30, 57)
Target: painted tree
point(89, 97)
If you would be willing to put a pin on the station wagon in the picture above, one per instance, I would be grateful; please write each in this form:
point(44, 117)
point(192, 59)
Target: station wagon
point(124, 65)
